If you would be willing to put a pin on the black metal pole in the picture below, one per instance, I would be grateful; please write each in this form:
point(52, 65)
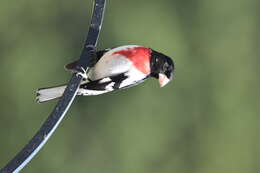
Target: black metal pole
point(54, 119)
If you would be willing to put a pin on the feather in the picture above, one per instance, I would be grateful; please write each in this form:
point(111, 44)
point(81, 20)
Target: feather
point(46, 94)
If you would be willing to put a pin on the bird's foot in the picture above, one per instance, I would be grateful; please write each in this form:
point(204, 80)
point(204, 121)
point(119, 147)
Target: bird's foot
point(82, 73)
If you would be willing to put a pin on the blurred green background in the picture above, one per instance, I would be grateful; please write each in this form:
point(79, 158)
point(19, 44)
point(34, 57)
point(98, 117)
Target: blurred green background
point(206, 120)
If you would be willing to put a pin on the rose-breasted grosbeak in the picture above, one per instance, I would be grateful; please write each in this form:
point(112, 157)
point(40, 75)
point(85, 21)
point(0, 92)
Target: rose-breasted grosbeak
point(115, 69)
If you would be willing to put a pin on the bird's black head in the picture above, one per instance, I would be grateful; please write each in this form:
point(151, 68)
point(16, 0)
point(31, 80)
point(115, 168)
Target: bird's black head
point(162, 67)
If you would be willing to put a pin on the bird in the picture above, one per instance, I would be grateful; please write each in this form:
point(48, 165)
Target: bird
point(115, 69)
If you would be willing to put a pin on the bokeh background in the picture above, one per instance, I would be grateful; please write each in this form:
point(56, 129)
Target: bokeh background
point(206, 120)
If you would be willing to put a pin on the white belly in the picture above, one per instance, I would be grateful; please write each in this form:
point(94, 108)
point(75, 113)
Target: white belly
point(109, 65)
point(135, 77)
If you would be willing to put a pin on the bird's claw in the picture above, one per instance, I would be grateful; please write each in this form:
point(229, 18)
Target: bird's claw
point(82, 73)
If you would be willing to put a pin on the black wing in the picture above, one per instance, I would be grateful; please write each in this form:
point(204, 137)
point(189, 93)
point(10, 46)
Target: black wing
point(72, 66)
point(101, 84)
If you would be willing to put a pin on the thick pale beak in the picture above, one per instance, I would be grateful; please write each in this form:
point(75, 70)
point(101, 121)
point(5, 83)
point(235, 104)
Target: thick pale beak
point(163, 79)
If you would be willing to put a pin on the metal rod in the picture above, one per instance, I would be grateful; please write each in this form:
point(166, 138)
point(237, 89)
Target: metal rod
point(58, 113)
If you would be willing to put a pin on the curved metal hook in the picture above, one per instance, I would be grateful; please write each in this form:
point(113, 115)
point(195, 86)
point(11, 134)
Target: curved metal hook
point(54, 119)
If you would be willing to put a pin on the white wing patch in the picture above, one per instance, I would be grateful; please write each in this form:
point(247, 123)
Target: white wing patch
point(86, 92)
point(107, 79)
point(109, 87)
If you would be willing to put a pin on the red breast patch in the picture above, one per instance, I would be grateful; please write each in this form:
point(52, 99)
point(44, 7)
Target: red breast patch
point(140, 56)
